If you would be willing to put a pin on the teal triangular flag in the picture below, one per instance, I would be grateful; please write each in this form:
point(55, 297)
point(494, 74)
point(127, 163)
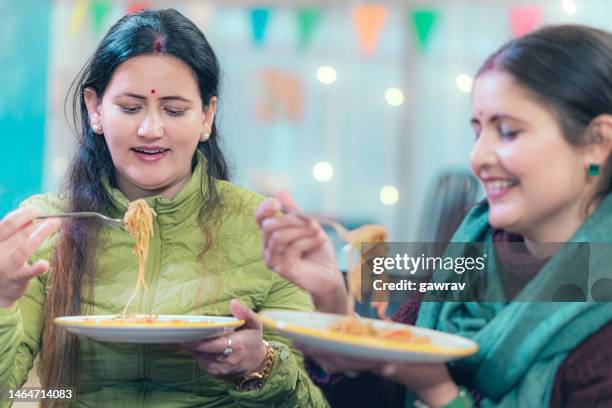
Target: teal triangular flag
point(259, 21)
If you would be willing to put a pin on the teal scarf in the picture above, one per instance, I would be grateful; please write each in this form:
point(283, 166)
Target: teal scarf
point(523, 343)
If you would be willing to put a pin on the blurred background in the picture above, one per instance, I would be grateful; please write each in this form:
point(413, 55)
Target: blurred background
point(360, 109)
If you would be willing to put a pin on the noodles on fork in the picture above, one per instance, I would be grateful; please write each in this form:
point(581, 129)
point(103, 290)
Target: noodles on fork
point(369, 233)
point(139, 223)
point(374, 234)
point(351, 324)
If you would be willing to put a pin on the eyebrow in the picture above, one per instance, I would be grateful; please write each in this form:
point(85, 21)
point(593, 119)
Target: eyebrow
point(163, 98)
point(496, 118)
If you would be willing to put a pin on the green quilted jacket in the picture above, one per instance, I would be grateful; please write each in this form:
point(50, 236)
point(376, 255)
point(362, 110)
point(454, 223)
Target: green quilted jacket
point(127, 375)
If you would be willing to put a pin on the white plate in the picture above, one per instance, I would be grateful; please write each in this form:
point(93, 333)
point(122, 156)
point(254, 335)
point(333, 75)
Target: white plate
point(191, 328)
point(312, 330)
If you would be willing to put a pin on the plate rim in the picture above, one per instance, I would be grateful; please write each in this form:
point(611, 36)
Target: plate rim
point(60, 321)
point(353, 340)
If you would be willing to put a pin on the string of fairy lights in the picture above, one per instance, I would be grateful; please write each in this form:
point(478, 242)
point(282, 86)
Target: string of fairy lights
point(323, 171)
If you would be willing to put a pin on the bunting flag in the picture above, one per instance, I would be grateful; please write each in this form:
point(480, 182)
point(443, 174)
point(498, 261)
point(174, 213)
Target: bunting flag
point(279, 96)
point(99, 10)
point(77, 17)
point(423, 22)
point(259, 21)
point(134, 6)
point(307, 20)
point(369, 20)
point(524, 19)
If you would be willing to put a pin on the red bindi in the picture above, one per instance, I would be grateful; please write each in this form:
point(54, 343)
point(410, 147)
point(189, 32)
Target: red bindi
point(152, 91)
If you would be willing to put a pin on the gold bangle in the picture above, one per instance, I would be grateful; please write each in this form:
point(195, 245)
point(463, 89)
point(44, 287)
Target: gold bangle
point(257, 379)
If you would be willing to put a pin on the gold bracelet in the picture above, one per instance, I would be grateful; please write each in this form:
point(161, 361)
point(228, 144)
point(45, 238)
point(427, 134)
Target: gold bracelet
point(257, 379)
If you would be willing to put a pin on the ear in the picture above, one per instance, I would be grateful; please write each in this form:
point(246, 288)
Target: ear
point(208, 115)
point(93, 105)
point(599, 138)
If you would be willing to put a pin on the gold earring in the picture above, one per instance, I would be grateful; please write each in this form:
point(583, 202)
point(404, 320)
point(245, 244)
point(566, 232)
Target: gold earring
point(96, 127)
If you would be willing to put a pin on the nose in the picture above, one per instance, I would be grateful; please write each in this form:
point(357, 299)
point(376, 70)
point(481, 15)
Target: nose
point(483, 154)
point(151, 127)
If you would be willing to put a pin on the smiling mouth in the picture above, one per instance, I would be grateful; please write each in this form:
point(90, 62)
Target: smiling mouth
point(500, 184)
point(149, 151)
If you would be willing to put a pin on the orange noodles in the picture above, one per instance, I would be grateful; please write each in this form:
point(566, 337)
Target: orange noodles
point(139, 222)
point(149, 320)
point(371, 234)
point(356, 327)
point(374, 234)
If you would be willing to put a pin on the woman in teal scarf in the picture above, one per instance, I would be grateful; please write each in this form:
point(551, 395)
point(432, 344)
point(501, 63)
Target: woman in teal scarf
point(542, 116)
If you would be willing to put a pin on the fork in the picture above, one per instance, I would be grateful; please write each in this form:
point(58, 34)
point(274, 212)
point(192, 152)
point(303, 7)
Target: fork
point(338, 228)
point(112, 222)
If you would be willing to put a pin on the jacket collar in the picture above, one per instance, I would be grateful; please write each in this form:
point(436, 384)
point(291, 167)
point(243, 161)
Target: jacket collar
point(183, 205)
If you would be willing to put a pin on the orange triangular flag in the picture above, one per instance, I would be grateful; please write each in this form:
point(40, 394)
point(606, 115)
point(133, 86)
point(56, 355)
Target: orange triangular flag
point(369, 20)
point(280, 96)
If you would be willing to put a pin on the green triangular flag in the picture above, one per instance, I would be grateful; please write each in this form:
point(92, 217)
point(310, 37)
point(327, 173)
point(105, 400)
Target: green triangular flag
point(423, 21)
point(308, 18)
point(99, 10)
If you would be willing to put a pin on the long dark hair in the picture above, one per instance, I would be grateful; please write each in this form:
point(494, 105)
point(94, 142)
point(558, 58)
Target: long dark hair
point(73, 264)
point(569, 68)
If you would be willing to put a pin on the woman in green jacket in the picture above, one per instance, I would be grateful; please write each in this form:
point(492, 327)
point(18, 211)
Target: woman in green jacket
point(147, 101)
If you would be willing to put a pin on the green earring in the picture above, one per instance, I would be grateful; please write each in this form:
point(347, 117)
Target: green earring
point(593, 170)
